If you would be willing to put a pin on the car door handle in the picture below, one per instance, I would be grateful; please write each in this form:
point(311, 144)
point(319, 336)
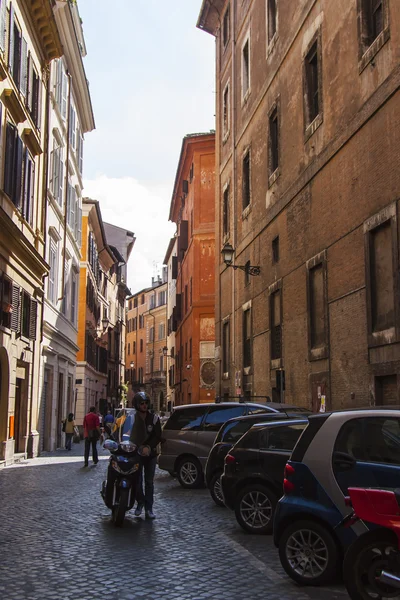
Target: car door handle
point(343, 461)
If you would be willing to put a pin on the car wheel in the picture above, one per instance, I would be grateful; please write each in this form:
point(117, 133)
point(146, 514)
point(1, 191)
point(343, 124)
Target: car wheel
point(189, 473)
point(215, 489)
point(254, 509)
point(308, 553)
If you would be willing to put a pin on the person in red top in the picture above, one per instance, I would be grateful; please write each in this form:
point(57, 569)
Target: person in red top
point(91, 433)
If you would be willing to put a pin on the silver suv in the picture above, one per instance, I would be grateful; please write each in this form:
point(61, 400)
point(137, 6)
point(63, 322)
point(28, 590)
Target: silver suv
point(190, 431)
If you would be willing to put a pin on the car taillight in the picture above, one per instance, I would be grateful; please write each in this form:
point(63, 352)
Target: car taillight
point(229, 459)
point(288, 486)
point(289, 470)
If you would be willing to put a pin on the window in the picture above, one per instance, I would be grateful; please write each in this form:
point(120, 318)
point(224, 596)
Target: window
point(234, 431)
point(57, 173)
point(162, 298)
point(317, 307)
point(25, 314)
point(161, 363)
point(74, 289)
point(225, 347)
point(372, 20)
point(273, 140)
point(247, 338)
point(218, 415)
point(246, 188)
point(225, 211)
point(186, 419)
point(72, 127)
point(134, 348)
point(313, 81)
point(271, 20)
point(143, 299)
point(28, 187)
point(280, 438)
point(152, 301)
point(151, 334)
point(61, 88)
point(275, 250)
point(226, 27)
point(53, 273)
point(276, 322)
point(246, 68)
point(141, 345)
point(382, 265)
point(129, 349)
point(191, 292)
point(15, 51)
point(161, 331)
point(33, 93)
point(371, 439)
point(13, 165)
point(190, 348)
point(186, 299)
point(6, 305)
point(225, 112)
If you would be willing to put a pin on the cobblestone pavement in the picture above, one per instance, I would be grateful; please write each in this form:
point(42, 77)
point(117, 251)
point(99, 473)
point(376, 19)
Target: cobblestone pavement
point(57, 542)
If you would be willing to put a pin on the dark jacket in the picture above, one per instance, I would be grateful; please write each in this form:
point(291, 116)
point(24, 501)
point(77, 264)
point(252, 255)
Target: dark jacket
point(147, 432)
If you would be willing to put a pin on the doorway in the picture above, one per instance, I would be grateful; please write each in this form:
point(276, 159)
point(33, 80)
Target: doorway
point(20, 415)
point(386, 393)
point(60, 401)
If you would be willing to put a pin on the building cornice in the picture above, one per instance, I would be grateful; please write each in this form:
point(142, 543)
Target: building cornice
point(43, 21)
point(73, 54)
point(210, 16)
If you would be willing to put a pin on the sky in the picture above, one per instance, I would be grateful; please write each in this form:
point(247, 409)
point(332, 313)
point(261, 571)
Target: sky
point(151, 74)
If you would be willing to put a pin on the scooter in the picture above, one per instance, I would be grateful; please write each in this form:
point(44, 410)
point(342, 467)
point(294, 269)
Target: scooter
point(119, 490)
point(371, 568)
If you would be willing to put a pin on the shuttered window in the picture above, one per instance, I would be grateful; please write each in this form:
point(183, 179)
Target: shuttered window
point(5, 301)
point(72, 127)
point(15, 315)
point(52, 280)
point(28, 187)
point(57, 173)
point(13, 165)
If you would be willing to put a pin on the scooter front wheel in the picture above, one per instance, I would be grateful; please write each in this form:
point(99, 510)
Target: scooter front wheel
point(364, 562)
point(118, 511)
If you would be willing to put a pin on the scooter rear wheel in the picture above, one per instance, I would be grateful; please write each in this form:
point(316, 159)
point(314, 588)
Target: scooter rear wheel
point(118, 512)
point(366, 558)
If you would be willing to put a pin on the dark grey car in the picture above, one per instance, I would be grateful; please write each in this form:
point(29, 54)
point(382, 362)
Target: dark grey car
point(190, 431)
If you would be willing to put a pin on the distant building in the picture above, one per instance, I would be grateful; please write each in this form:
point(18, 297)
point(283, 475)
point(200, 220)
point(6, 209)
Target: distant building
point(98, 314)
point(307, 189)
point(145, 342)
point(171, 263)
point(193, 321)
point(71, 117)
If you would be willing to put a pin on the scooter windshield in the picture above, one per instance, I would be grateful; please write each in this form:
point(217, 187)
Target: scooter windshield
point(123, 424)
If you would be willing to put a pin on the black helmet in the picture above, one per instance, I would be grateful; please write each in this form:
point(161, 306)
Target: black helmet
point(140, 397)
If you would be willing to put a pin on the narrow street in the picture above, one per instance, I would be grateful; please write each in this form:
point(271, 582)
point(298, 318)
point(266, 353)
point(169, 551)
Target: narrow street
point(58, 542)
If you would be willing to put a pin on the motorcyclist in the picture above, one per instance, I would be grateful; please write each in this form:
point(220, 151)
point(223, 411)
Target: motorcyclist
point(146, 434)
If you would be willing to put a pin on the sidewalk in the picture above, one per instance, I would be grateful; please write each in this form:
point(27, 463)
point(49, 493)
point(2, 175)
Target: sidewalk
point(76, 454)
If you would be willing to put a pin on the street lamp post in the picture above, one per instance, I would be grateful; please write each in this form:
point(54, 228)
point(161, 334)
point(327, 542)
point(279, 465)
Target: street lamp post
point(228, 254)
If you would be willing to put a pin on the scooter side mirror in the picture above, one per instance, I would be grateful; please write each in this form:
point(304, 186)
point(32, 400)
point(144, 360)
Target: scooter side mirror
point(110, 445)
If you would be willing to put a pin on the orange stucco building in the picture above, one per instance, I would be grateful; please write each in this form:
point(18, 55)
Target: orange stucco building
point(192, 209)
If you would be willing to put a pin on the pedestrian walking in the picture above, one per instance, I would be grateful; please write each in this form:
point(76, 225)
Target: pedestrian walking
point(146, 433)
point(91, 433)
point(108, 423)
point(69, 425)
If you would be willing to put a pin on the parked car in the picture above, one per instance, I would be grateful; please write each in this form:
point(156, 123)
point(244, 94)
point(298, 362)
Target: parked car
point(228, 435)
point(190, 431)
point(338, 450)
point(252, 480)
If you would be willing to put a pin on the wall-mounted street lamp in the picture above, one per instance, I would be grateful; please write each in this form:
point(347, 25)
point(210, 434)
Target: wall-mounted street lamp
point(227, 254)
point(132, 365)
point(105, 323)
point(165, 352)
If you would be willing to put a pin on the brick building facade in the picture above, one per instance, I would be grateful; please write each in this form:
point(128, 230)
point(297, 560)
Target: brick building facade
point(308, 179)
point(193, 320)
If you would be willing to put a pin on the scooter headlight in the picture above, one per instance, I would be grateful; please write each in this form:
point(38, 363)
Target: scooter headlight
point(128, 446)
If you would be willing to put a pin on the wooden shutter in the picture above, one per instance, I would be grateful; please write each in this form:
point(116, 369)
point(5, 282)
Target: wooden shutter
point(38, 119)
point(9, 160)
point(11, 38)
point(64, 93)
point(174, 264)
point(60, 179)
point(3, 25)
point(29, 83)
point(25, 185)
point(16, 309)
point(23, 86)
point(31, 199)
point(18, 172)
point(32, 319)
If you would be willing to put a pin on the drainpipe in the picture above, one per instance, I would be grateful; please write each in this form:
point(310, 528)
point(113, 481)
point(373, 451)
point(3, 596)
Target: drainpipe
point(234, 195)
point(61, 297)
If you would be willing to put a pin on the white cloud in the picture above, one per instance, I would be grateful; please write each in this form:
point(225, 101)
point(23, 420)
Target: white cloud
point(143, 209)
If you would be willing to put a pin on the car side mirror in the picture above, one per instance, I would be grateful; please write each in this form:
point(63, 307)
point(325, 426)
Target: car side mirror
point(342, 461)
